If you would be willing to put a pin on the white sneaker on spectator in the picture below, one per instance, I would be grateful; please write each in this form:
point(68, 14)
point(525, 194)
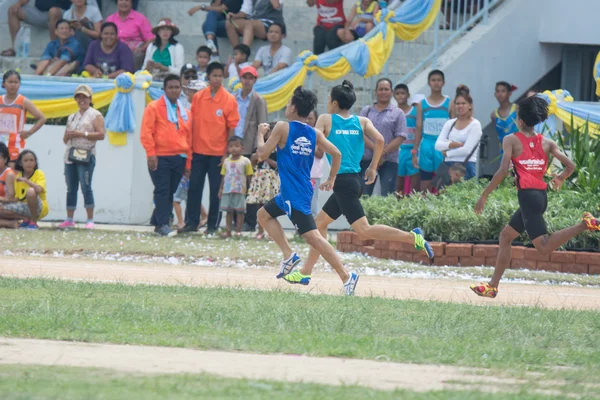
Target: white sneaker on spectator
point(212, 46)
point(214, 59)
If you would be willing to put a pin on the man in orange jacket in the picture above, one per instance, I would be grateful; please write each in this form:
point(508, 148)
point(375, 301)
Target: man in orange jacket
point(166, 139)
point(214, 116)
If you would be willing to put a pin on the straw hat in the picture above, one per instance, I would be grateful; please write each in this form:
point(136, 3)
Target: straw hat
point(168, 23)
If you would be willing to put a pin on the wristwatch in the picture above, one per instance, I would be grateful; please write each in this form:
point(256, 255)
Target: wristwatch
point(203, 7)
point(86, 134)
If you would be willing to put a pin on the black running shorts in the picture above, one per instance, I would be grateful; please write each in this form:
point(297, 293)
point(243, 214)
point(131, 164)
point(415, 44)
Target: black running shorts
point(345, 199)
point(303, 223)
point(530, 215)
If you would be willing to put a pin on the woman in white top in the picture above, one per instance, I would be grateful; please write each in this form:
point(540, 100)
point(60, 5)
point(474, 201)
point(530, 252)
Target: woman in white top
point(164, 56)
point(460, 136)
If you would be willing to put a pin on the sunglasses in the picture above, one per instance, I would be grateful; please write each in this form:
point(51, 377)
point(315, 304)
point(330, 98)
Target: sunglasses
point(190, 76)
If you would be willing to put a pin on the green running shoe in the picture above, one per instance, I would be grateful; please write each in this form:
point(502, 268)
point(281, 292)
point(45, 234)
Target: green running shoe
point(421, 243)
point(297, 278)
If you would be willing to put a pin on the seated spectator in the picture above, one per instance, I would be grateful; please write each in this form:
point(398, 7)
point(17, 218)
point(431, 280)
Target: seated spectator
point(214, 24)
point(253, 20)
point(62, 56)
point(330, 19)
point(203, 56)
point(29, 204)
point(84, 129)
point(360, 21)
point(42, 13)
point(241, 54)
point(187, 74)
point(85, 20)
point(133, 29)
point(164, 56)
point(108, 56)
point(276, 56)
point(7, 183)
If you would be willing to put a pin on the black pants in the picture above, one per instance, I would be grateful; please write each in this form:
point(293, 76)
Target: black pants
point(324, 38)
point(202, 165)
point(165, 178)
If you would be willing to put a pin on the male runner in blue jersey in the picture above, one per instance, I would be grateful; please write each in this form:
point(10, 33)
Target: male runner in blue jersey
point(349, 134)
point(296, 142)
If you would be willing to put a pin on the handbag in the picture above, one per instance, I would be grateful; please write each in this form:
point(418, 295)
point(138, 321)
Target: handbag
point(80, 156)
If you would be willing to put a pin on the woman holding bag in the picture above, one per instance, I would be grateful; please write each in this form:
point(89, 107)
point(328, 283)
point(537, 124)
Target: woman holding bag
point(460, 137)
point(83, 130)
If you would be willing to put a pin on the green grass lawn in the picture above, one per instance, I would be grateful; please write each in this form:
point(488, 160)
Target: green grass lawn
point(286, 322)
point(40, 382)
point(196, 249)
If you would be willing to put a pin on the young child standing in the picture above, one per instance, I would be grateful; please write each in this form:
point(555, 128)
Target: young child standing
point(360, 21)
point(237, 172)
point(241, 54)
point(179, 197)
point(505, 116)
point(265, 183)
point(203, 55)
point(408, 175)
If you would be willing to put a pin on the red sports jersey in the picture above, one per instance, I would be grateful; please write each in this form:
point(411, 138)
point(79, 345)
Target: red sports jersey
point(531, 165)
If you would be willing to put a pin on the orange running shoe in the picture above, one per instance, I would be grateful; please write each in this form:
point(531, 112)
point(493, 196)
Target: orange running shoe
point(592, 223)
point(485, 290)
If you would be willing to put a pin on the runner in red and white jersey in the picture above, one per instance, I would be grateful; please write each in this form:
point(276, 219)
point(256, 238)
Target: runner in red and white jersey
point(529, 152)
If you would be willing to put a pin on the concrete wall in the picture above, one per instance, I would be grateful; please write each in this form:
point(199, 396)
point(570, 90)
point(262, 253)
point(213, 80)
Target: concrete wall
point(572, 22)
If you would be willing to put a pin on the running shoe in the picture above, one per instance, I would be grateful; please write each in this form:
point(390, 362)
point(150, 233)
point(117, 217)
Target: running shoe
point(91, 225)
point(287, 266)
point(350, 285)
point(592, 223)
point(422, 244)
point(24, 224)
point(297, 277)
point(67, 224)
point(32, 226)
point(485, 290)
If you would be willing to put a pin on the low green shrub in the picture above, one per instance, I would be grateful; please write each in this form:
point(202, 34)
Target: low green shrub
point(450, 217)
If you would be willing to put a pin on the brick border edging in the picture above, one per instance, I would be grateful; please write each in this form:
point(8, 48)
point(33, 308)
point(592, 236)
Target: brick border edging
point(470, 255)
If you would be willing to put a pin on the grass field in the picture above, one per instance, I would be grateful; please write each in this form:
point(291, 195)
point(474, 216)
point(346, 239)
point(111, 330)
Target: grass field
point(198, 250)
point(37, 382)
point(286, 322)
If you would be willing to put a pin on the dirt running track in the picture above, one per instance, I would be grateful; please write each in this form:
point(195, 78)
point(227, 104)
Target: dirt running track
point(322, 283)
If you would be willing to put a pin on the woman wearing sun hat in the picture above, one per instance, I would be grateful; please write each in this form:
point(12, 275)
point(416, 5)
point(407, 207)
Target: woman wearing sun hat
point(164, 55)
point(84, 128)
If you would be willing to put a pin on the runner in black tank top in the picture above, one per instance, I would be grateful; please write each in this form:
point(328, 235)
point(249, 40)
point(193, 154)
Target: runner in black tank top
point(529, 151)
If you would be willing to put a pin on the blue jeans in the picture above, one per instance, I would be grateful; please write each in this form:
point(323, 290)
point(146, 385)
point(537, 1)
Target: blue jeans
point(471, 168)
point(77, 174)
point(202, 165)
point(214, 24)
point(386, 173)
point(165, 178)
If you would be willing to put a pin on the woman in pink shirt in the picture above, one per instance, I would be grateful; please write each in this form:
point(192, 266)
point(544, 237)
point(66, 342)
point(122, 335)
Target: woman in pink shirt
point(134, 30)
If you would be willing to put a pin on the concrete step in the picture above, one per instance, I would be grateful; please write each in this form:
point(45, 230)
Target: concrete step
point(23, 64)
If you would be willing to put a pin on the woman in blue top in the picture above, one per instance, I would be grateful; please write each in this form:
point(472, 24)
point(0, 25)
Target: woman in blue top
point(296, 142)
point(406, 158)
point(435, 111)
point(348, 133)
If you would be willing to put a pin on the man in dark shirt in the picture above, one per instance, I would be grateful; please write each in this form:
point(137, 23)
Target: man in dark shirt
point(214, 24)
point(35, 12)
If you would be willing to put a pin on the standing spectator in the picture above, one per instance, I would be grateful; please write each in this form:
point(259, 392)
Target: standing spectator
point(360, 22)
point(407, 159)
point(108, 56)
point(237, 172)
point(316, 173)
point(62, 56)
point(253, 20)
point(165, 137)
point(7, 184)
point(253, 112)
point(436, 110)
point(241, 54)
point(276, 56)
point(134, 30)
point(504, 117)
point(203, 56)
point(86, 21)
point(83, 130)
point(460, 137)
point(214, 24)
point(42, 13)
point(214, 117)
point(188, 75)
point(30, 203)
point(390, 121)
point(13, 108)
point(164, 56)
point(330, 19)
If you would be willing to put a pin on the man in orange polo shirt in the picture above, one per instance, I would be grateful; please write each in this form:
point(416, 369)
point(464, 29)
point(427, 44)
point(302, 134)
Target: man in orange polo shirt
point(166, 139)
point(214, 116)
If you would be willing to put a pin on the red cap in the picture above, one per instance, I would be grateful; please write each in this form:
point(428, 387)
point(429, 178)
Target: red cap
point(249, 70)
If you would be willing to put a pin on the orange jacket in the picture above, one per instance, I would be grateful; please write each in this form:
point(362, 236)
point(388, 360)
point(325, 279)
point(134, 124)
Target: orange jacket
point(211, 117)
point(161, 137)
